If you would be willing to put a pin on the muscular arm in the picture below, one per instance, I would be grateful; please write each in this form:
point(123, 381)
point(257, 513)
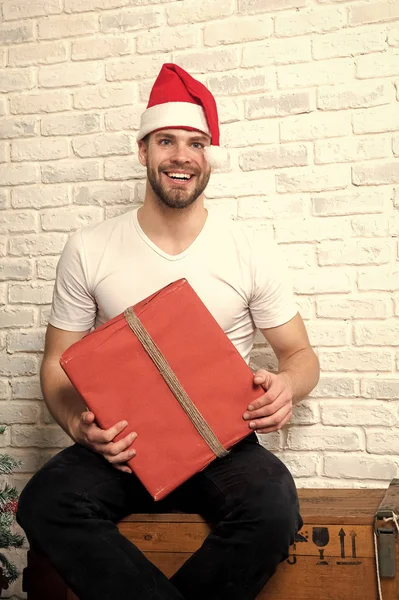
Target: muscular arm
point(296, 358)
point(297, 375)
point(62, 400)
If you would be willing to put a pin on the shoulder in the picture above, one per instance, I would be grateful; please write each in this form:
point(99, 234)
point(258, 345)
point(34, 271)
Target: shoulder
point(87, 244)
point(92, 240)
point(102, 231)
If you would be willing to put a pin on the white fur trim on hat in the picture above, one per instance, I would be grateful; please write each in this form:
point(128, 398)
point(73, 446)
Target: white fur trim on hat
point(216, 156)
point(172, 114)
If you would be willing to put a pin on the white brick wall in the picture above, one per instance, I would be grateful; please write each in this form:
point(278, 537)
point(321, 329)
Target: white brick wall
point(308, 92)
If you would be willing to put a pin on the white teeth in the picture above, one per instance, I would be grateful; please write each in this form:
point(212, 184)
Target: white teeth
point(180, 175)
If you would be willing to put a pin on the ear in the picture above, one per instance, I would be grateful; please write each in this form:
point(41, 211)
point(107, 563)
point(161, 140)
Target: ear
point(143, 153)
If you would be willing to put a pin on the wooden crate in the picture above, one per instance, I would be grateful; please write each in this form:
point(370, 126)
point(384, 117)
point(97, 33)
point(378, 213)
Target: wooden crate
point(333, 556)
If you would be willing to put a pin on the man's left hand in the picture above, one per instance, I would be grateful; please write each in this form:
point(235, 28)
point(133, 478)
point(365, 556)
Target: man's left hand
point(273, 410)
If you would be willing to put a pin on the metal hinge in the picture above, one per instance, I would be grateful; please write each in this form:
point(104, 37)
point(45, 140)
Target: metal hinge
point(386, 541)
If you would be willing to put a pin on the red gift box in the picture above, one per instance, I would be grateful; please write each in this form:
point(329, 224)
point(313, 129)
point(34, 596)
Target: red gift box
point(119, 381)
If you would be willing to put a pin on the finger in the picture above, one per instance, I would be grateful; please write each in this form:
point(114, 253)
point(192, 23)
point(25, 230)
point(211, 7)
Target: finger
point(95, 435)
point(87, 417)
point(270, 396)
point(271, 421)
point(273, 391)
point(280, 426)
point(113, 431)
point(104, 436)
point(269, 407)
point(261, 376)
point(122, 457)
point(115, 448)
point(123, 468)
point(259, 402)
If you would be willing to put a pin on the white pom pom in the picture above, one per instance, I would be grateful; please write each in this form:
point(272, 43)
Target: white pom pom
point(216, 156)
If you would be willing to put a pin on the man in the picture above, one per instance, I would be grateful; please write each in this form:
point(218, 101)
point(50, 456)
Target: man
point(69, 509)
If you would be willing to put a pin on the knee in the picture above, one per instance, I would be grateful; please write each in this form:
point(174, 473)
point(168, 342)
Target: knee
point(274, 512)
point(25, 506)
point(45, 505)
point(32, 509)
point(42, 504)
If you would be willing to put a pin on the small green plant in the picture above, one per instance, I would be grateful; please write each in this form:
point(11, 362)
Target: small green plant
point(8, 509)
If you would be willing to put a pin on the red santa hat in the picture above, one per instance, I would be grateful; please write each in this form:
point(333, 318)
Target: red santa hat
point(177, 100)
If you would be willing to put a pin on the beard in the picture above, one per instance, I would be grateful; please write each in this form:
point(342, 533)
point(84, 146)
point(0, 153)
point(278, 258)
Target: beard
point(176, 197)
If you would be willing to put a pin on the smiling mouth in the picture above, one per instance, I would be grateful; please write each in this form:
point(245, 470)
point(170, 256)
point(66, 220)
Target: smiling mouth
point(179, 177)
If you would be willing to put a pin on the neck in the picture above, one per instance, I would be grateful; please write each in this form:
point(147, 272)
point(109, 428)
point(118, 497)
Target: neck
point(171, 229)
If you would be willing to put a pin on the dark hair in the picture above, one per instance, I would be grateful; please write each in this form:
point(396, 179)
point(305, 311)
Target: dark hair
point(146, 139)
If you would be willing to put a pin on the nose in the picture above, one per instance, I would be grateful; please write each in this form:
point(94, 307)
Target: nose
point(181, 153)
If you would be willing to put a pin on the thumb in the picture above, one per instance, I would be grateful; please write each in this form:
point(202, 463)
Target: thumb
point(263, 378)
point(87, 417)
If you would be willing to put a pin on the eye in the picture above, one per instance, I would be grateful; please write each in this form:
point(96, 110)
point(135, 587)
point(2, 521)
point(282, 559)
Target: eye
point(164, 142)
point(198, 145)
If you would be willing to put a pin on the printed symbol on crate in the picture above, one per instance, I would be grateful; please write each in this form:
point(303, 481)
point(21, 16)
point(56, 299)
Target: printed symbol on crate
point(321, 537)
point(301, 538)
point(298, 538)
point(353, 536)
point(342, 536)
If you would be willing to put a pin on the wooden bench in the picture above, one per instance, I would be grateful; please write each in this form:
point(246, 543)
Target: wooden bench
point(333, 557)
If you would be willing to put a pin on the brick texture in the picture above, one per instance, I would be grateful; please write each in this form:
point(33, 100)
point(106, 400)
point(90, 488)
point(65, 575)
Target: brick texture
point(308, 96)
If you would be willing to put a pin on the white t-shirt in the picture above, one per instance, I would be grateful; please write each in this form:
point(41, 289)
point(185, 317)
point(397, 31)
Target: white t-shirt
point(238, 272)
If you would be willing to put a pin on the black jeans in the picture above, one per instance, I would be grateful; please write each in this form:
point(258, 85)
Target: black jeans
point(70, 507)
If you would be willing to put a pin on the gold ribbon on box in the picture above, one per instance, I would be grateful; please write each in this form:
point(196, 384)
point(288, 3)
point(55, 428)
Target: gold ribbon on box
point(174, 384)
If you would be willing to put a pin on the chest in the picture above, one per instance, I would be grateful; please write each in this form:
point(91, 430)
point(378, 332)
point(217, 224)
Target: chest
point(223, 290)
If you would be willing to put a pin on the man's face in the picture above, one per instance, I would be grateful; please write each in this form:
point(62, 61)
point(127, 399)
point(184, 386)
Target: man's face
point(176, 166)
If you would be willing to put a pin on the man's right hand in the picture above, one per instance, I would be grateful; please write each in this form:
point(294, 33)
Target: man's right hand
point(85, 431)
